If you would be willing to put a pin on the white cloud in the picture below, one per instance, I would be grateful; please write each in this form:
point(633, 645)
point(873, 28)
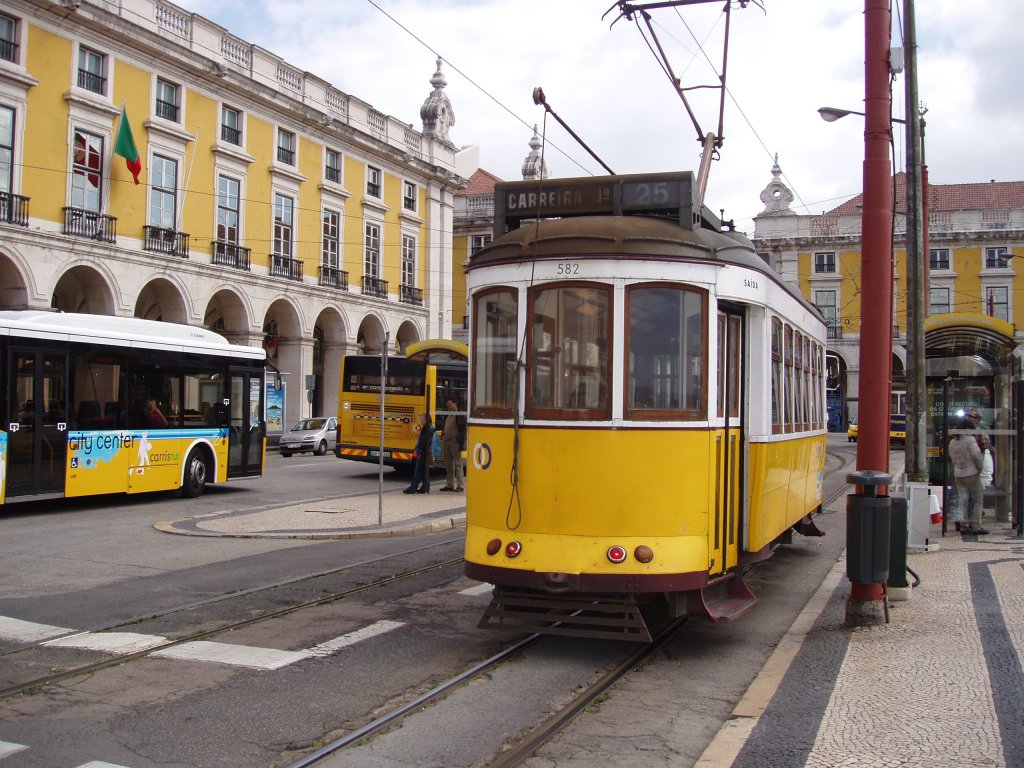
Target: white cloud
point(605, 83)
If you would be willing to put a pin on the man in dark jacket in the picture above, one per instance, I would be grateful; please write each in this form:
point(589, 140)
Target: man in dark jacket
point(453, 441)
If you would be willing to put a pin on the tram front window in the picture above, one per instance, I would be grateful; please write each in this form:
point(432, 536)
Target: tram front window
point(494, 358)
point(569, 342)
point(666, 354)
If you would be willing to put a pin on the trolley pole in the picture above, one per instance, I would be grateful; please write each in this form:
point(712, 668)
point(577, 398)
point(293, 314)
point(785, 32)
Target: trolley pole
point(867, 594)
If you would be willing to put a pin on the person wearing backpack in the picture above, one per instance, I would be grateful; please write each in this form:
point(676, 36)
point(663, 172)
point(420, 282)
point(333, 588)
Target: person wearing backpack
point(424, 457)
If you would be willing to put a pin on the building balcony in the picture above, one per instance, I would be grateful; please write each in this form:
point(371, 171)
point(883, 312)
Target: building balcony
point(8, 50)
point(230, 255)
point(163, 240)
point(834, 330)
point(332, 277)
point(231, 135)
point(168, 110)
point(374, 286)
point(13, 209)
point(408, 294)
point(83, 223)
point(285, 266)
point(90, 81)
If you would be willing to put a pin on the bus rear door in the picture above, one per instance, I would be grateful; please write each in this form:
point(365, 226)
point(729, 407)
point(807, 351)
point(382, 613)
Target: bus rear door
point(245, 423)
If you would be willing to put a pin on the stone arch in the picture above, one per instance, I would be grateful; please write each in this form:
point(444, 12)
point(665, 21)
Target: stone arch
point(370, 336)
point(229, 314)
point(14, 287)
point(290, 351)
point(84, 289)
point(330, 344)
point(407, 334)
point(162, 299)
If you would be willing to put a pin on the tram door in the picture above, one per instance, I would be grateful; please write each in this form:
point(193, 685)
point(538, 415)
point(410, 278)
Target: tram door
point(725, 530)
point(245, 414)
point(37, 433)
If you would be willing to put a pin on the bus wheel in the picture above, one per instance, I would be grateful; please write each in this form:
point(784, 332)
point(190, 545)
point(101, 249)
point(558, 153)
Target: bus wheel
point(195, 474)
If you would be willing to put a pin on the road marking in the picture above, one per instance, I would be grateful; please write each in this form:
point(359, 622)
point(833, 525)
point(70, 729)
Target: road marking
point(121, 643)
point(8, 748)
point(377, 628)
point(479, 589)
point(234, 655)
point(101, 764)
point(28, 631)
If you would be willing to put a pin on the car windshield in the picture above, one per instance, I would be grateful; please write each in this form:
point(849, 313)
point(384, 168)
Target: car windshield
point(308, 424)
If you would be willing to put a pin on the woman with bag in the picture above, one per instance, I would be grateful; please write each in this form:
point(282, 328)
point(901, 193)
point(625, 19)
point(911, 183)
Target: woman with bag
point(967, 465)
point(424, 457)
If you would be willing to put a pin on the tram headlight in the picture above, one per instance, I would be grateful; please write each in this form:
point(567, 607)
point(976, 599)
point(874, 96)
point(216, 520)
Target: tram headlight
point(643, 554)
point(513, 548)
point(493, 546)
point(616, 553)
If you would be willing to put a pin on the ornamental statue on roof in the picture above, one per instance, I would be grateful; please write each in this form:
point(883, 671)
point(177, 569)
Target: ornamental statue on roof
point(534, 167)
point(776, 196)
point(437, 113)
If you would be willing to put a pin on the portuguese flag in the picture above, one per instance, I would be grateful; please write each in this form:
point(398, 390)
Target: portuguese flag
point(125, 146)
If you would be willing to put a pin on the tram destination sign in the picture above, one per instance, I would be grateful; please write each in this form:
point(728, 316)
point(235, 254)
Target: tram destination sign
point(662, 194)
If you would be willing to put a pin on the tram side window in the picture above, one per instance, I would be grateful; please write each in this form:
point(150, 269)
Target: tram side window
point(569, 366)
point(788, 387)
point(97, 388)
point(777, 388)
point(667, 342)
point(495, 323)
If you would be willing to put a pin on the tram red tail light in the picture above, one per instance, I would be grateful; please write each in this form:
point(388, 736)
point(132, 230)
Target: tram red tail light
point(513, 548)
point(616, 553)
point(643, 554)
point(493, 546)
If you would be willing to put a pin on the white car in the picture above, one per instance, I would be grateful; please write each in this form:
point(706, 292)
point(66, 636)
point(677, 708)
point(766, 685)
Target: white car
point(315, 435)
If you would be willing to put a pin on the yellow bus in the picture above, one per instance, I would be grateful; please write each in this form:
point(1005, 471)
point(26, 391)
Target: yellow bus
point(431, 372)
point(92, 404)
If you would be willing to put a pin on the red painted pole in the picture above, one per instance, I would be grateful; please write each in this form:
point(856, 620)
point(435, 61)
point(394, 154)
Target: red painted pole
point(876, 326)
point(876, 246)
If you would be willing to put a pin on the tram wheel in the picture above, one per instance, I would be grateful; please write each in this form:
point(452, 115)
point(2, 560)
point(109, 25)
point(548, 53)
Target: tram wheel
point(195, 474)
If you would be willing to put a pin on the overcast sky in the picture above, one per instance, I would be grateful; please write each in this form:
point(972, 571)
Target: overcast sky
point(784, 63)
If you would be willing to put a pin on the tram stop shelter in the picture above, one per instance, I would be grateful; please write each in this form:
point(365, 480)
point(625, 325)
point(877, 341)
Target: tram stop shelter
point(974, 364)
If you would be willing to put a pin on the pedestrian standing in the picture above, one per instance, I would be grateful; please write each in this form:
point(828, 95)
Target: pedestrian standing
point(967, 464)
point(424, 457)
point(453, 443)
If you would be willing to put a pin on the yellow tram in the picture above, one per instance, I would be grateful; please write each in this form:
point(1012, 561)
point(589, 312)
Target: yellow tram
point(647, 407)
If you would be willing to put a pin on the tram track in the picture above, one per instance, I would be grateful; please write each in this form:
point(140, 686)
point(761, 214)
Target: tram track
point(42, 682)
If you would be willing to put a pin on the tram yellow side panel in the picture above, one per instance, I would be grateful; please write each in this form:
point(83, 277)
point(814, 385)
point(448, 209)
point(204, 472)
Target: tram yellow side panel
point(580, 491)
point(785, 485)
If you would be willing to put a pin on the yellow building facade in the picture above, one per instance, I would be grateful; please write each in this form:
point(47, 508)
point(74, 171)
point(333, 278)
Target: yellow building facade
point(271, 206)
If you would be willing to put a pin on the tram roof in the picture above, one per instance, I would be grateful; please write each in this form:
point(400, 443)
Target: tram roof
point(626, 237)
point(121, 331)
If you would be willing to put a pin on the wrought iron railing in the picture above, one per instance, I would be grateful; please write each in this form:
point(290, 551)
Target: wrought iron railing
point(285, 266)
point(8, 50)
point(374, 286)
point(332, 277)
point(90, 81)
point(231, 135)
point(13, 209)
point(408, 294)
point(168, 110)
point(229, 254)
point(164, 240)
point(83, 223)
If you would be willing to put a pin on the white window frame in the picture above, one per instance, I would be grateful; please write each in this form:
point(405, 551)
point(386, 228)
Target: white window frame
point(372, 248)
point(237, 242)
point(225, 109)
point(408, 249)
point(104, 60)
point(988, 299)
point(330, 257)
point(829, 259)
point(932, 261)
point(374, 182)
point(283, 247)
point(410, 196)
point(168, 88)
point(163, 192)
point(932, 304)
point(287, 141)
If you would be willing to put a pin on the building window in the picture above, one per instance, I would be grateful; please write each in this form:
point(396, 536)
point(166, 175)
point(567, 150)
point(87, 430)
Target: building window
point(825, 301)
point(163, 179)
point(938, 301)
point(284, 211)
point(8, 38)
point(92, 70)
point(332, 166)
point(332, 227)
point(87, 172)
point(478, 243)
point(372, 181)
point(6, 149)
point(285, 146)
point(168, 100)
point(996, 258)
point(227, 209)
point(409, 196)
point(371, 258)
point(408, 260)
point(231, 125)
point(938, 259)
point(997, 302)
point(825, 262)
